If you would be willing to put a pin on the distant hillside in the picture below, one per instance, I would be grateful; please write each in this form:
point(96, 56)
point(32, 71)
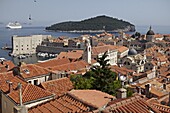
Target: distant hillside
point(98, 23)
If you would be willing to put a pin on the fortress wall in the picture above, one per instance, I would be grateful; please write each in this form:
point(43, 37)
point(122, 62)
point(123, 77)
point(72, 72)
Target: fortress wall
point(55, 50)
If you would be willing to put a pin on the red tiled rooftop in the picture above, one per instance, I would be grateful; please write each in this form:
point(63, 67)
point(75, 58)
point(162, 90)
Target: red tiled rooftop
point(78, 65)
point(76, 54)
point(65, 104)
point(32, 70)
point(6, 65)
point(158, 36)
point(121, 70)
point(155, 104)
point(53, 62)
point(29, 91)
point(8, 76)
point(161, 108)
point(58, 86)
point(94, 98)
point(101, 49)
point(131, 105)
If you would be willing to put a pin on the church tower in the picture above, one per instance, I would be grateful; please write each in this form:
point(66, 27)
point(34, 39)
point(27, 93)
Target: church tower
point(87, 51)
point(150, 35)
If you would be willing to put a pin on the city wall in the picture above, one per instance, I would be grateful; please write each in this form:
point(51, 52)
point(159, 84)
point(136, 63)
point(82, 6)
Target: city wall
point(54, 50)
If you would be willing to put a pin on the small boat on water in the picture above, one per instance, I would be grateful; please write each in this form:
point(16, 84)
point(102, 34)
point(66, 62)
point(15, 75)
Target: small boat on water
point(21, 57)
point(14, 25)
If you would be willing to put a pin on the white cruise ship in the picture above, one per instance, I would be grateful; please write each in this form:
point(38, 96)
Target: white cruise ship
point(15, 25)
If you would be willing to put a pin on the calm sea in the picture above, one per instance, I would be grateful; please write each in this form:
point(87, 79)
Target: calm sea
point(6, 34)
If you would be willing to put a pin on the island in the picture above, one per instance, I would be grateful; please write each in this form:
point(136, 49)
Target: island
point(95, 24)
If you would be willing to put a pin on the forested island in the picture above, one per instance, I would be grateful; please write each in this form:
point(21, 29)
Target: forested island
point(96, 24)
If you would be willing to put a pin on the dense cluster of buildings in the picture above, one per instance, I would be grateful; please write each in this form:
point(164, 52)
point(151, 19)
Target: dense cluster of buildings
point(45, 87)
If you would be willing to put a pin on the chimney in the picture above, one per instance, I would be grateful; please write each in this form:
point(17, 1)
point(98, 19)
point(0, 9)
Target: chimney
point(164, 86)
point(7, 66)
point(16, 71)
point(10, 85)
point(21, 108)
point(139, 90)
point(147, 90)
point(20, 93)
point(122, 93)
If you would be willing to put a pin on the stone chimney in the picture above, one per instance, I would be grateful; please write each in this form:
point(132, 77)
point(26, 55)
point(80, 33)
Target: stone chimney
point(122, 93)
point(21, 108)
point(147, 90)
point(20, 93)
point(10, 85)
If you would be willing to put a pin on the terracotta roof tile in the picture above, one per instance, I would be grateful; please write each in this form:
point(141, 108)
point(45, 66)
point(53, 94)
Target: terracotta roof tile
point(105, 34)
point(58, 86)
point(121, 70)
point(78, 65)
point(94, 98)
point(32, 70)
point(53, 62)
point(29, 91)
point(121, 48)
point(158, 36)
point(130, 105)
point(76, 54)
point(161, 108)
point(101, 44)
point(101, 49)
point(6, 66)
point(8, 76)
point(65, 104)
point(156, 88)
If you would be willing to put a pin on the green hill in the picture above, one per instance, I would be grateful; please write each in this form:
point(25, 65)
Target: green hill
point(94, 24)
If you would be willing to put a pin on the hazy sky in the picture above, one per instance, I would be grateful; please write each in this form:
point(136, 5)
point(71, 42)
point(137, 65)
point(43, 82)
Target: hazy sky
point(47, 12)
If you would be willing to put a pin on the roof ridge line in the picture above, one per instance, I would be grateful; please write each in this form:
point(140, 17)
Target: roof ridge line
point(25, 89)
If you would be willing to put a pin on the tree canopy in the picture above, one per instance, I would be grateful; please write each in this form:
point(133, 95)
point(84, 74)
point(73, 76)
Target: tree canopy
point(96, 23)
point(100, 77)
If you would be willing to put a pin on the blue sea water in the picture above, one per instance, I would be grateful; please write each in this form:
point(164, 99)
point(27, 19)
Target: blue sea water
point(6, 34)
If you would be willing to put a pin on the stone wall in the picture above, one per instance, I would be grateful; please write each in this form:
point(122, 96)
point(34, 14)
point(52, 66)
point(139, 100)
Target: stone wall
point(54, 50)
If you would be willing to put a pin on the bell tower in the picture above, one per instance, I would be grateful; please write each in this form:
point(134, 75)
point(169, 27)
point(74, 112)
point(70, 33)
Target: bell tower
point(87, 51)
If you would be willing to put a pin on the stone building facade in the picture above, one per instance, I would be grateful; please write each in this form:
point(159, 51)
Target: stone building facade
point(26, 44)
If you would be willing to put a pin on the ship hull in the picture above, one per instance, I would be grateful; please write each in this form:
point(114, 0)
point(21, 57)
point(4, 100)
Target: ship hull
point(14, 26)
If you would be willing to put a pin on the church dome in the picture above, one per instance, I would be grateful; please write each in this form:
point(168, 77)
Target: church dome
point(132, 51)
point(150, 32)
